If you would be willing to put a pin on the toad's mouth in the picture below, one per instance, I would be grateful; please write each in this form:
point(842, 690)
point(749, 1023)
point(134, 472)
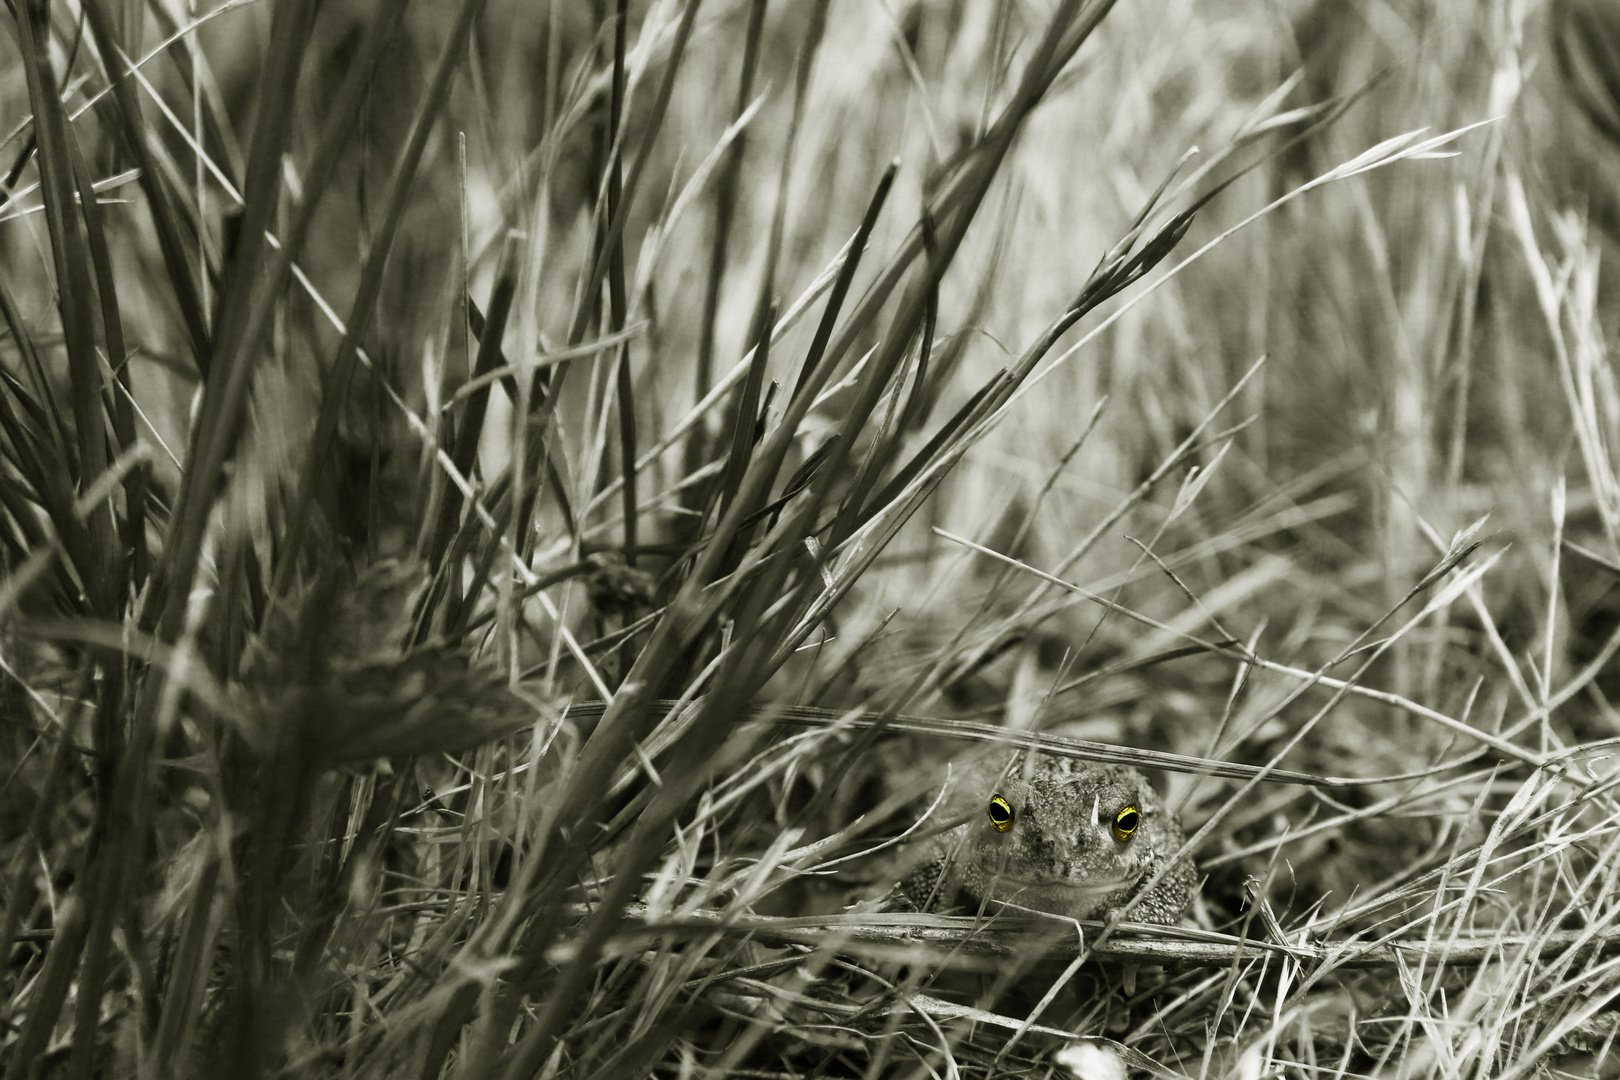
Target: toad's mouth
point(1097, 887)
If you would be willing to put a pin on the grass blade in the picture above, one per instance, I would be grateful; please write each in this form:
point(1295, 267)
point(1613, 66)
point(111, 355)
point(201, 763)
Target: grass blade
point(225, 393)
point(133, 539)
point(133, 128)
point(471, 426)
point(725, 194)
point(846, 275)
point(74, 291)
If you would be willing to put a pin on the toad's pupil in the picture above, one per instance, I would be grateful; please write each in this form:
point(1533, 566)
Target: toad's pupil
point(1001, 813)
point(1125, 823)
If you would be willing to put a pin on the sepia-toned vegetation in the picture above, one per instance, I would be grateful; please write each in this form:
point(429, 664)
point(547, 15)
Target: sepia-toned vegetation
point(507, 511)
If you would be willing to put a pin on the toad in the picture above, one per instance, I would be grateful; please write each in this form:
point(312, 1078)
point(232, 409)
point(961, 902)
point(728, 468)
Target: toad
point(1053, 834)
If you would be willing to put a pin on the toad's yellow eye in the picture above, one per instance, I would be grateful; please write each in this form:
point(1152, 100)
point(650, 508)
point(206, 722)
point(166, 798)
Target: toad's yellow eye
point(1001, 813)
point(1125, 823)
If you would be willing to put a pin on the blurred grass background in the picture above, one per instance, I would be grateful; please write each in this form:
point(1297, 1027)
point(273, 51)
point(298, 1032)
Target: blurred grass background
point(212, 637)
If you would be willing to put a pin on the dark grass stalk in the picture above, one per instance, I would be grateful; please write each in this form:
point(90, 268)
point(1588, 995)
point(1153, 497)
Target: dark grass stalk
point(230, 617)
point(671, 636)
point(26, 536)
point(735, 377)
point(61, 958)
point(194, 233)
point(880, 370)
point(765, 302)
point(543, 450)
point(213, 442)
point(483, 574)
point(75, 299)
point(102, 883)
point(800, 480)
point(184, 992)
point(943, 364)
point(69, 248)
point(912, 413)
point(725, 194)
point(470, 429)
point(19, 163)
point(617, 300)
point(22, 539)
point(746, 417)
point(225, 392)
point(744, 421)
point(900, 511)
point(127, 804)
point(101, 888)
point(332, 933)
point(1463, 303)
point(446, 485)
point(544, 456)
point(627, 449)
point(159, 198)
point(134, 557)
point(886, 439)
point(539, 467)
point(846, 275)
point(1118, 271)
